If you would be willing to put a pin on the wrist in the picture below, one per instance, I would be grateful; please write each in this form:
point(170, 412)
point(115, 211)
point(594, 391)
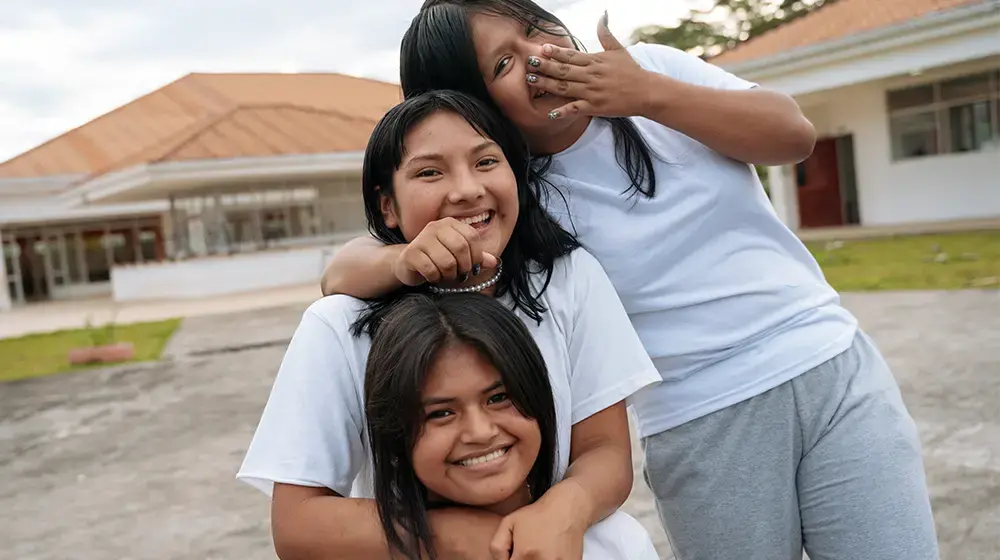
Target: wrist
point(661, 93)
point(574, 500)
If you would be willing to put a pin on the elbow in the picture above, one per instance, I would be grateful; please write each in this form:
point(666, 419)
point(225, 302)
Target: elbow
point(802, 140)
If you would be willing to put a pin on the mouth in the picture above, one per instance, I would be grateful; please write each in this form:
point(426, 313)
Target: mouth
point(479, 221)
point(484, 459)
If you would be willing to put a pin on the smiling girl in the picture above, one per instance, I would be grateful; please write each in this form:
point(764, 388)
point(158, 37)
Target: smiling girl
point(437, 163)
point(460, 412)
point(778, 425)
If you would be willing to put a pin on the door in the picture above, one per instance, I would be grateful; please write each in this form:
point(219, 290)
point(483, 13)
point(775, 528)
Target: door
point(818, 183)
point(56, 262)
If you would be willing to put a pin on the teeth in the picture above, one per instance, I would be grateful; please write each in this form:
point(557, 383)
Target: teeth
point(476, 219)
point(484, 459)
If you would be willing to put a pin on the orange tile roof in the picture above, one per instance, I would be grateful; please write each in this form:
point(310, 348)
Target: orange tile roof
point(218, 116)
point(834, 21)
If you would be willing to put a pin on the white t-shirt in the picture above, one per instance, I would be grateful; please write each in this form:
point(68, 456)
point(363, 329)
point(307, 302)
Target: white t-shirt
point(313, 430)
point(726, 299)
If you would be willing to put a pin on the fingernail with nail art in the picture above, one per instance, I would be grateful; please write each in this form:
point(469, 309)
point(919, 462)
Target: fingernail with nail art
point(532, 79)
point(534, 61)
point(476, 269)
point(554, 115)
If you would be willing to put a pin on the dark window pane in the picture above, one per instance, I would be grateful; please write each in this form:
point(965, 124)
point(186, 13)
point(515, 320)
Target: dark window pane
point(800, 174)
point(914, 135)
point(970, 126)
point(965, 87)
point(911, 97)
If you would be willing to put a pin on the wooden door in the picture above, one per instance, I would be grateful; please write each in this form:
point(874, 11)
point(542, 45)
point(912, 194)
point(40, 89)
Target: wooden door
point(818, 182)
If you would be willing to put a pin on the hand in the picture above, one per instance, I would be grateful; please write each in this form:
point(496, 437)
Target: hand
point(444, 250)
point(607, 84)
point(552, 528)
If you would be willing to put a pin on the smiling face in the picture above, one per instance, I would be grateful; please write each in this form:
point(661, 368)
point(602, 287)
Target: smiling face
point(475, 447)
point(503, 46)
point(450, 170)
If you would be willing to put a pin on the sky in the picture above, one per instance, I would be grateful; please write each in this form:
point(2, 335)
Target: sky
point(65, 62)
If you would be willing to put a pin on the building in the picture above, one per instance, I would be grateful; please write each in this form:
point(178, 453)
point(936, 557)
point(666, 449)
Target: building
point(215, 183)
point(905, 97)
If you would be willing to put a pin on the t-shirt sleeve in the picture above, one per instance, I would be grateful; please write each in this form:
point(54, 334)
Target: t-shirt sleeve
point(310, 433)
point(608, 362)
point(685, 67)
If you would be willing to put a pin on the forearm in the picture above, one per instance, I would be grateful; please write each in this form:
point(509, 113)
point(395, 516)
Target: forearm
point(335, 528)
point(328, 528)
point(753, 126)
point(362, 268)
point(599, 478)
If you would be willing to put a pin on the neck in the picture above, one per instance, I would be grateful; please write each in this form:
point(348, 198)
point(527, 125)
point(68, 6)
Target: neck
point(556, 139)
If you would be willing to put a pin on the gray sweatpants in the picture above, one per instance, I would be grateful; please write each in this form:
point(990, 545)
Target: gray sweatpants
point(829, 462)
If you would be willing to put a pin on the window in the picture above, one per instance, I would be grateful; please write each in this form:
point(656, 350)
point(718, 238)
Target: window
point(952, 116)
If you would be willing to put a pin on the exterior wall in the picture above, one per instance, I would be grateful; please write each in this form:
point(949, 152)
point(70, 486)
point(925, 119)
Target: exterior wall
point(933, 188)
point(214, 276)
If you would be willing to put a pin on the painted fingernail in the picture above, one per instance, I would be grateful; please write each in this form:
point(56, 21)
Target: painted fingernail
point(463, 278)
point(476, 269)
point(532, 79)
point(554, 115)
point(534, 61)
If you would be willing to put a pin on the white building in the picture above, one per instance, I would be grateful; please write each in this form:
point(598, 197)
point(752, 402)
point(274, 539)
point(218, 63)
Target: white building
point(905, 96)
point(213, 184)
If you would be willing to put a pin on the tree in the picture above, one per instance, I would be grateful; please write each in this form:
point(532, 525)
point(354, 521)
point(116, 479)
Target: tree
point(727, 23)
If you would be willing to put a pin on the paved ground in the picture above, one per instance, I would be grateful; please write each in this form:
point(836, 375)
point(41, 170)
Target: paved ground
point(138, 462)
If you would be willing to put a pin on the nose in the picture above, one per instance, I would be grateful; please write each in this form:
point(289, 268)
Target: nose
point(479, 427)
point(466, 188)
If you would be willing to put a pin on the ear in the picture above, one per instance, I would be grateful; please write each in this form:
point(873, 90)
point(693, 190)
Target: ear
point(388, 207)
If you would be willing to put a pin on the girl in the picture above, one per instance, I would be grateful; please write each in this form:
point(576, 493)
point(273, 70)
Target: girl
point(460, 411)
point(777, 425)
point(443, 158)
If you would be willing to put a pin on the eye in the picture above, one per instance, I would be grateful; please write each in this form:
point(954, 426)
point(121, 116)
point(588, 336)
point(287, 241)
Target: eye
point(501, 66)
point(439, 414)
point(498, 398)
point(428, 173)
point(532, 28)
point(488, 161)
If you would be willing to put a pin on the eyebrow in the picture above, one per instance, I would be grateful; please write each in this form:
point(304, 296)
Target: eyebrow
point(444, 400)
point(433, 157)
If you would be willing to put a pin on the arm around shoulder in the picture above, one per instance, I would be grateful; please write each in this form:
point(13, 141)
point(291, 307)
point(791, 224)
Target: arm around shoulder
point(362, 268)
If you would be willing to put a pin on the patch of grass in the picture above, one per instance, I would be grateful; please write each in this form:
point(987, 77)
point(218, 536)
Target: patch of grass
point(920, 262)
point(44, 354)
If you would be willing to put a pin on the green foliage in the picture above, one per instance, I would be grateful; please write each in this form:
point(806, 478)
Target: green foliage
point(727, 23)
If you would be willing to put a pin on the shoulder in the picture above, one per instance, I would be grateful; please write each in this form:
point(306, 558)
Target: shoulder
point(338, 312)
point(576, 266)
point(647, 54)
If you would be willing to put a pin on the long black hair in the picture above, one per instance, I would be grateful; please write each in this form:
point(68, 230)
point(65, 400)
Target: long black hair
point(537, 240)
point(404, 348)
point(438, 52)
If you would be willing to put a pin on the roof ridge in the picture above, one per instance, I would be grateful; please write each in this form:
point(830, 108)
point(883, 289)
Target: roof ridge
point(94, 120)
point(308, 109)
point(208, 123)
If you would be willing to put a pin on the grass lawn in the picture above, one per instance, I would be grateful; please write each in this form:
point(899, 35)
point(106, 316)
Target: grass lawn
point(43, 354)
point(920, 262)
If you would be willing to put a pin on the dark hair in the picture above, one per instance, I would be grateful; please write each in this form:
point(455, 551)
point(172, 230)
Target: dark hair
point(438, 52)
point(537, 240)
point(404, 347)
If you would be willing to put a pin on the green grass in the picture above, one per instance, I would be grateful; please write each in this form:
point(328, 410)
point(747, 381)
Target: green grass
point(920, 262)
point(44, 354)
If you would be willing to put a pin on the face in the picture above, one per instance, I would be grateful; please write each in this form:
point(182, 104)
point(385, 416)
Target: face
point(475, 447)
point(450, 170)
point(503, 46)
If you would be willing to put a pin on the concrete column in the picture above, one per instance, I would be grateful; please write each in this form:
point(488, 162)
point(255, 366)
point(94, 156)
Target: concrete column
point(5, 303)
point(784, 195)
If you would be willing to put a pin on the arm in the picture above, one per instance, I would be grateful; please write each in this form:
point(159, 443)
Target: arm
point(367, 268)
point(316, 524)
point(599, 478)
point(362, 268)
point(749, 125)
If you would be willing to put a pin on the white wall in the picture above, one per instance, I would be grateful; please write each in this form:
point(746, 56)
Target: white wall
point(5, 302)
point(943, 187)
point(211, 276)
